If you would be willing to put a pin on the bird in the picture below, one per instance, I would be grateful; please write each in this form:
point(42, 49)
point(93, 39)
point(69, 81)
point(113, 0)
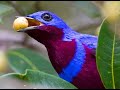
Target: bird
point(72, 54)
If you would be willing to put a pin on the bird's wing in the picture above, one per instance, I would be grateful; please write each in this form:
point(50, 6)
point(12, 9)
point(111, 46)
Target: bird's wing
point(90, 41)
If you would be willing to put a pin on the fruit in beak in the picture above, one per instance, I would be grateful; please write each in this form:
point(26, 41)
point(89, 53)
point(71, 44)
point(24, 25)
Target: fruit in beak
point(20, 23)
point(25, 23)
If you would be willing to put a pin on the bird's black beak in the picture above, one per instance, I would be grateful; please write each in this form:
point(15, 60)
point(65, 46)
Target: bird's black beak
point(32, 24)
point(28, 28)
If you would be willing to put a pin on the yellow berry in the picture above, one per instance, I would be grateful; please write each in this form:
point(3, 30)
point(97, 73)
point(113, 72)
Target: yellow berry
point(20, 23)
point(3, 61)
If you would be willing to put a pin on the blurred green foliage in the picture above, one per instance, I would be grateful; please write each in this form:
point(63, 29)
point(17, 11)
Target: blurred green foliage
point(22, 59)
point(5, 9)
point(40, 78)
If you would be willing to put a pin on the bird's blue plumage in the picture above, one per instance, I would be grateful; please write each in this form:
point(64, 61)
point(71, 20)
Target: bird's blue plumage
point(75, 65)
point(77, 61)
point(83, 49)
point(56, 21)
point(69, 34)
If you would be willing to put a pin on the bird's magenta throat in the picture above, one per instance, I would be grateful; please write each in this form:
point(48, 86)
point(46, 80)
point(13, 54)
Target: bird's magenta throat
point(60, 52)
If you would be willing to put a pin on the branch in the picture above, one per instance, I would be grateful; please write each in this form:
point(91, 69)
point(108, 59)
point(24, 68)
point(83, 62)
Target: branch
point(13, 4)
point(9, 43)
point(37, 7)
point(98, 4)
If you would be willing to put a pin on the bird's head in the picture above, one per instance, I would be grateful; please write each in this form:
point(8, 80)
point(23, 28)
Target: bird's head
point(44, 26)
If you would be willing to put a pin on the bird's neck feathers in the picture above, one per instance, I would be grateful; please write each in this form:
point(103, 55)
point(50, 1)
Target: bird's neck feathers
point(60, 53)
point(61, 50)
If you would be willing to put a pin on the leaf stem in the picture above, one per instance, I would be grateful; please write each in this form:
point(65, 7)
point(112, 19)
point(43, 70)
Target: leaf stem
point(113, 81)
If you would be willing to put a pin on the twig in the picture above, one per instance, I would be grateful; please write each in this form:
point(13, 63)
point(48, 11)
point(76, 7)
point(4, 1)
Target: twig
point(20, 11)
point(98, 4)
point(37, 7)
point(9, 43)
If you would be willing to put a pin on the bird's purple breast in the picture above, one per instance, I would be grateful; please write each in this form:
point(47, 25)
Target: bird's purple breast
point(61, 53)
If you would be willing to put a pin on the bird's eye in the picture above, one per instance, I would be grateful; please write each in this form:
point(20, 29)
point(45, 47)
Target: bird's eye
point(46, 17)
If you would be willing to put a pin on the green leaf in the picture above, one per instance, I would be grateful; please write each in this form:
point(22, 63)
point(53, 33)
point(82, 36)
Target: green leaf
point(108, 54)
point(5, 9)
point(41, 78)
point(22, 59)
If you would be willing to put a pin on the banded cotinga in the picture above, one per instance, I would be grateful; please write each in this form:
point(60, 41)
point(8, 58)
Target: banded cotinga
point(72, 54)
